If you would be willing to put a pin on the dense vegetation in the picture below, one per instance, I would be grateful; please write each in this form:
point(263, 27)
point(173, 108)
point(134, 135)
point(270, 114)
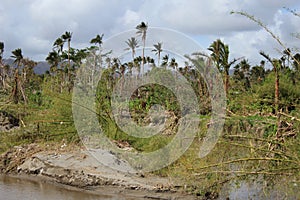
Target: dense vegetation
point(261, 132)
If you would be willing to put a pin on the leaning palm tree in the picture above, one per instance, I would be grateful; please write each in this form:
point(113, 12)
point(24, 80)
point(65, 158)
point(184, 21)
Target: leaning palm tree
point(158, 49)
point(142, 31)
point(58, 45)
point(18, 56)
point(132, 44)
point(276, 66)
point(98, 40)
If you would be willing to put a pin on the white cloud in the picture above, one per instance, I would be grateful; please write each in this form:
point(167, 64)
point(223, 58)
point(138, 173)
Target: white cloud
point(33, 25)
point(249, 43)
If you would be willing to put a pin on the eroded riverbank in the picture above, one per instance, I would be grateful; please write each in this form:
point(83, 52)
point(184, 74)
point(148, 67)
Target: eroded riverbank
point(79, 170)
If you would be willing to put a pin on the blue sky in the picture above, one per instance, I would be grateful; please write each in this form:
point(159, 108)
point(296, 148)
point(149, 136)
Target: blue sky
point(33, 25)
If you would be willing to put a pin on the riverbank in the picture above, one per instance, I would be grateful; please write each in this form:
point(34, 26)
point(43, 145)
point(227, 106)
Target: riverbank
point(75, 168)
point(249, 160)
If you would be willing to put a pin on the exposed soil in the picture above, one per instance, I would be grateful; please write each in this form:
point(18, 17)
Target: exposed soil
point(77, 168)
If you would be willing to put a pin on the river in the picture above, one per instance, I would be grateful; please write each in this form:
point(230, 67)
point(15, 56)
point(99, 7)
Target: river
point(16, 188)
point(20, 188)
point(12, 188)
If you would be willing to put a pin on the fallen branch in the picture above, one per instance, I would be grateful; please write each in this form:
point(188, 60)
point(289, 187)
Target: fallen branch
point(244, 172)
point(282, 153)
point(230, 112)
point(22, 122)
point(248, 159)
point(255, 138)
point(290, 116)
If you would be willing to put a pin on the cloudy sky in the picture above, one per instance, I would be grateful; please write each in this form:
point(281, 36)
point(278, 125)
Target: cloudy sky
point(33, 25)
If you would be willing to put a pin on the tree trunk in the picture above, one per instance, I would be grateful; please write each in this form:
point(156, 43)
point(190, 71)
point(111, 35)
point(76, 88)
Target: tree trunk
point(15, 89)
point(143, 59)
point(226, 82)
point(69, 62)
point(22, 91)
point(158, 62)
point(69, 68)
point(276, 100)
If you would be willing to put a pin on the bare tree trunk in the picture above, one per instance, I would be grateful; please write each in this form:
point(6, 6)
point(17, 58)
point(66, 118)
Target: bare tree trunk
point(1, 76)
point(226, 82)
point(143, 58)
point(276, 100)
point(14, 92)
point(158, 61)
point(22, 91)
point(69, 85)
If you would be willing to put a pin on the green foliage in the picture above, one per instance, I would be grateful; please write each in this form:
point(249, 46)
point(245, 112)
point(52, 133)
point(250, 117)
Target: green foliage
point(289, 93)
point(139, 106)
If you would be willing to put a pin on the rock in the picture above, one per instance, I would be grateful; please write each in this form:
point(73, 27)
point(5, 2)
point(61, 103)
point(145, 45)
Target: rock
point(12, 159)
point(7, 121)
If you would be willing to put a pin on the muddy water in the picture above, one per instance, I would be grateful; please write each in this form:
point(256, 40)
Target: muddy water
point(12, 188)
point(16, 189)
point(20, 188)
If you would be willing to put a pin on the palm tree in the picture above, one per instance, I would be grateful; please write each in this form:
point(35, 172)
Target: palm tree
point(242, 73)
point(276, 66)
point(79, 56)
point(67, 36)
point(158, 49)
point(18, 56)
point(1, 50)
point(97, 40)
point(257, 73)
point(27, 70)
point(2, 74)
point(142, 31)
point(173, 64)
point(132, 44)
point(137, 64)
point(53, 59)
point(216, 47)
point(130, 66)
point(220, 55)
point(245, 66)
point(58, 44)
point(296, 61)
point(165, 60)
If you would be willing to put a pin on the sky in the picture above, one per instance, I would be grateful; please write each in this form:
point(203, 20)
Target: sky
point(33, 25)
